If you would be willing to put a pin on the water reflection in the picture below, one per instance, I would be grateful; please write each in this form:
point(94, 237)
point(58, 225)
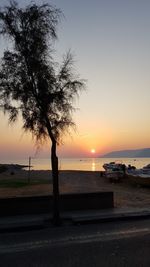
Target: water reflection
point(93, 165)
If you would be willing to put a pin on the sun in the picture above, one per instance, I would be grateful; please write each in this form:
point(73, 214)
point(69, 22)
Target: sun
point(92, 150)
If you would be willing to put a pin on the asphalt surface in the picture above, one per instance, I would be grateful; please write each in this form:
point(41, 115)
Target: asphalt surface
point(113, 243)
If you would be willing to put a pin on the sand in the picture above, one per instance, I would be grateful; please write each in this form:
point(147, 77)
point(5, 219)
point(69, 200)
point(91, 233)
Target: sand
point(125, 194)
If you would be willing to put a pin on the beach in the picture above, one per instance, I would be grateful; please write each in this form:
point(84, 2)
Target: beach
point(125, 194)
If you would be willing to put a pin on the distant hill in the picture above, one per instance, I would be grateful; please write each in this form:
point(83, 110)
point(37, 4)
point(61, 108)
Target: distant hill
point(137, 153)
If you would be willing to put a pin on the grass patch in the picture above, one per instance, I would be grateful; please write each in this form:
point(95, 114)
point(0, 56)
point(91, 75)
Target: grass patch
point(17, 183)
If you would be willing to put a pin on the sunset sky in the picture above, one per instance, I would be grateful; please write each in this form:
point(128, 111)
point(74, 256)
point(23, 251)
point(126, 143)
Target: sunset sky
point(111, 43)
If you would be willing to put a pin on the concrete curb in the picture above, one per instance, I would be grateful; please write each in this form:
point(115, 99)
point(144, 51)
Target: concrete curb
point(111, 217)
point(39, 221)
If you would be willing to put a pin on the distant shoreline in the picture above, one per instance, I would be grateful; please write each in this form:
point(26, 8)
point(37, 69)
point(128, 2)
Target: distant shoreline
point(12, 166)
point(130, 153)
point(19, 166)
point(77, 164)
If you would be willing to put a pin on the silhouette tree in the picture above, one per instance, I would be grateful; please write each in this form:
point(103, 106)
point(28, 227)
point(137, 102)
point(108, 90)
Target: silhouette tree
point(31, 84)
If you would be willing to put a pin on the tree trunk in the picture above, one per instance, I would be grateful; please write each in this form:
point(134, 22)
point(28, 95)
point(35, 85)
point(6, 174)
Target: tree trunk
point(54, 162)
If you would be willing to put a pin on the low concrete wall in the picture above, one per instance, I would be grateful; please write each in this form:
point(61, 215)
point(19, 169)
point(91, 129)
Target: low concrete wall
point(44, 204)
point(83, 201)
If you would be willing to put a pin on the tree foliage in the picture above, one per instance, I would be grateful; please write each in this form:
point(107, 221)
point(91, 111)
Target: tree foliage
point(30, 82)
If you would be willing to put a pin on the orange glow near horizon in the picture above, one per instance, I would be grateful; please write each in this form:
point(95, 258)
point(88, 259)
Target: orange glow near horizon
point(17, 145)
point(86, 143)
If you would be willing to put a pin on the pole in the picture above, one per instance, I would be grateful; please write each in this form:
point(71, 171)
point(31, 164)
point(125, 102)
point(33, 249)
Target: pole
point(29, 170)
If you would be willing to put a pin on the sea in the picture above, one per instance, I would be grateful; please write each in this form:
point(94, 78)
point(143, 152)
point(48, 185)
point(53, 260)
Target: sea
point(82, 164)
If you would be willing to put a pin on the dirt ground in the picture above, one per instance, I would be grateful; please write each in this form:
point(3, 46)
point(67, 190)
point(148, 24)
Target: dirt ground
point(125, 194)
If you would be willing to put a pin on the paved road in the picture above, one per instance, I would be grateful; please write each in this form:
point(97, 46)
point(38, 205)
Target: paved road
point(110, 244)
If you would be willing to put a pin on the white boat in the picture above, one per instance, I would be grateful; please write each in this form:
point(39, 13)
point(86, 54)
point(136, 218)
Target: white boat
point(140, 176)
point(114, 175)
point(114, 171)
point(139, 179)
point(146, 169)
point(113, 165)
point(136, 172)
